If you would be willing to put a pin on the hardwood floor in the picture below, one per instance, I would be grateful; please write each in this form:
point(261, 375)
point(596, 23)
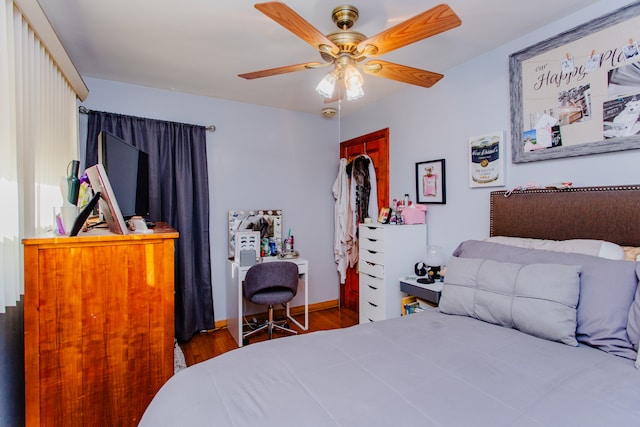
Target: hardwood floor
point(206, 345)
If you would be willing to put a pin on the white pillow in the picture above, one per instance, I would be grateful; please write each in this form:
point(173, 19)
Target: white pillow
point(599, 248)
point(611, 251)
point(537, 299)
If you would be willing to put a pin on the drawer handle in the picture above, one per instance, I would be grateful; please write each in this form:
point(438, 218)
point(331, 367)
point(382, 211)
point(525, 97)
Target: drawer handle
point(372, 252)
point(372, 240)
point(372, 304)
point(370, 320)
point(370, 263)
point(372, 287)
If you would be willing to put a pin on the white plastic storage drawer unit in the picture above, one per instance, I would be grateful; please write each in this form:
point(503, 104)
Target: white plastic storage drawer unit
point(387, 253)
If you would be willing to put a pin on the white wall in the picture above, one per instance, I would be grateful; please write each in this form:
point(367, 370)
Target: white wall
point(262, 157)
point(258, 158)
point(473, 99)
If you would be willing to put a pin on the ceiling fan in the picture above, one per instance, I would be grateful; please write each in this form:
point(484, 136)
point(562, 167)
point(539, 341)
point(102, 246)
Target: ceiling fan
point(347, 49)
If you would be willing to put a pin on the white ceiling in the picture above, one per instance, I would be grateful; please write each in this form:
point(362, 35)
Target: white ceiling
point(200, 46)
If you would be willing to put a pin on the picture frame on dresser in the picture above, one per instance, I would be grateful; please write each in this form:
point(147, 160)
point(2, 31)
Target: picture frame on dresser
point(383, 217)
point(430, 182)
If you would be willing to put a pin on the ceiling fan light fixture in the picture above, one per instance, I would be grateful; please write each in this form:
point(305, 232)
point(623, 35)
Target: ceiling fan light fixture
point(353, 79)
point(355, 93)
point(327, 85)
point(353, 83)
point(345, 49)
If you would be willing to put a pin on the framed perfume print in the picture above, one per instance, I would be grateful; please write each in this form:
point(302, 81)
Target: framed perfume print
point(430, 182)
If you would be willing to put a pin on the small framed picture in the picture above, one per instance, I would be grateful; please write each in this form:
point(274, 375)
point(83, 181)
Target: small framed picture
point(383, 218)
point(430, 182)
point(486, 158)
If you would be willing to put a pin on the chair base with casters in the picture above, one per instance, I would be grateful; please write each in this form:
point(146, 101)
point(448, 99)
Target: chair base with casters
point(270, 284)
point(269, 325)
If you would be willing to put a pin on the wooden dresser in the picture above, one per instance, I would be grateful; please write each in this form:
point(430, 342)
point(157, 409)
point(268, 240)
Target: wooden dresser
point(98, 326)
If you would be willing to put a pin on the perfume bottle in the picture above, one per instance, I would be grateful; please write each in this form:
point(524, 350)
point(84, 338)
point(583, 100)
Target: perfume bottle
point(429, 183)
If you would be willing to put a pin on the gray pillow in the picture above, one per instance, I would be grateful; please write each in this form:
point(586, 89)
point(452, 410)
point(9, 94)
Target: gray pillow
point(633, 327)
point(537, 299)
point(607, 289)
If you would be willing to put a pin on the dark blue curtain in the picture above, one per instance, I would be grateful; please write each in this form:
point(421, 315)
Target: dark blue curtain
point(179, 196)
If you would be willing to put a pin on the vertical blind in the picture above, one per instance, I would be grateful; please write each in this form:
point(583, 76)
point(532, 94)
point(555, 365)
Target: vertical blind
point(38, 136)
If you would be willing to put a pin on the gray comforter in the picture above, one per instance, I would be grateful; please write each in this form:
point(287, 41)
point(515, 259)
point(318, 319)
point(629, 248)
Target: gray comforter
point(426, 369)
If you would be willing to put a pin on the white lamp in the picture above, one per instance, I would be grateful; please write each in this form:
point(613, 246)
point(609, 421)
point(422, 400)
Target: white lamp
point(435, 259)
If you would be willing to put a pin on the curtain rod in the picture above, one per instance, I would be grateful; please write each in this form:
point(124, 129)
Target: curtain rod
point(84, 110)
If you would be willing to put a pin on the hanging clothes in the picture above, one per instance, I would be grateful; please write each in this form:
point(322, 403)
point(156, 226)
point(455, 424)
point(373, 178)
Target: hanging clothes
point(360, 188)
point(364, 189)
point(341, 194)
point(373, 193)
point(363, 201)
point(351, 241)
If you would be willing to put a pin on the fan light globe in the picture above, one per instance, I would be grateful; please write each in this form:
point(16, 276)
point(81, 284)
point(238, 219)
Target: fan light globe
point(353, 79)
point(353, 94)
point(327, 85)
point(353, 82)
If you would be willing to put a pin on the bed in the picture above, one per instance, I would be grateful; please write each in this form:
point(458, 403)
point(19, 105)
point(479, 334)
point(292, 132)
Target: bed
point(523, 336)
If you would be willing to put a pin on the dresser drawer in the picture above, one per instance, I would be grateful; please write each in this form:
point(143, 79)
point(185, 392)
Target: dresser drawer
point(370, 284)
point(371, 232)
point(374, 301)
point(369, 255)
point(370, 313)
point(372, 290)
point(372, 269)
point(376, 245)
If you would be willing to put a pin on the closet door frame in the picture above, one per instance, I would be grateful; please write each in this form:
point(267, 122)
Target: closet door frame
point(376, 146)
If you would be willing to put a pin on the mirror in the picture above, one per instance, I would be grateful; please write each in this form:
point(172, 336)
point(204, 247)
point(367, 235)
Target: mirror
point(267, 222)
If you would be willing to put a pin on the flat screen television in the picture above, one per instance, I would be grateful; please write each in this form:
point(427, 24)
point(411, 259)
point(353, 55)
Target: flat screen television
point(128, 170)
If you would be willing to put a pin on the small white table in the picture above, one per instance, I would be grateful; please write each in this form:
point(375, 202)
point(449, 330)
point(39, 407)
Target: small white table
point(427, 291)
point(235, 277)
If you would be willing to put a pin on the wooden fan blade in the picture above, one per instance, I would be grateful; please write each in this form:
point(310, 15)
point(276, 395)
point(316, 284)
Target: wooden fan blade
point(285, 16)
point(401, 73)
point(279, 70)
point(429, 23)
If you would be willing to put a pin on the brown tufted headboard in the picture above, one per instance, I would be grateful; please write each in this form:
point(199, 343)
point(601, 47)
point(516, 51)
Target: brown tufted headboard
point(603, 213)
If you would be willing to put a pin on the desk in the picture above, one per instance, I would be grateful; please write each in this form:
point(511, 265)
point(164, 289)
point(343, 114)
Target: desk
point(235, 277)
